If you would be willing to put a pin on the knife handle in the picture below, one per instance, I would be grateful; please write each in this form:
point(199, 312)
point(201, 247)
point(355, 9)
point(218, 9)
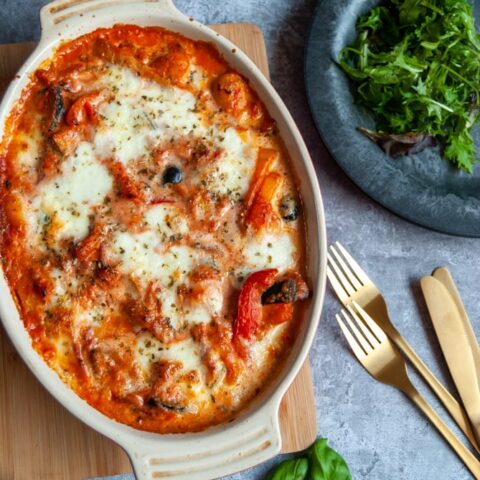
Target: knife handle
point(443, 274)
point(466, 455)
point(452, 406)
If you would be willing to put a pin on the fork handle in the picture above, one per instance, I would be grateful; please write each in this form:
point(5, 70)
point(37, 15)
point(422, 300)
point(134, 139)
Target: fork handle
point(466, 455)
point(452, 406)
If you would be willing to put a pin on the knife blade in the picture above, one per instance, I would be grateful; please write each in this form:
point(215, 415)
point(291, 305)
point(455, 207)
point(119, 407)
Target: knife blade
point(444, 275)
point(455, 346)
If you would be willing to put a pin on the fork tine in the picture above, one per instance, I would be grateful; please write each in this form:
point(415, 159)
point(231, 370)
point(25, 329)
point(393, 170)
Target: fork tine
point(359, 272)
point(359, 353)
point(341, 277)
point(339, 290)
point(366, 332)
point(377, 331)
point(346, 269)
point(360, 338)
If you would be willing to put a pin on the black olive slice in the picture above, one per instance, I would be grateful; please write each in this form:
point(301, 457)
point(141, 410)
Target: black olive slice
point(172, 175)
point(289, 208)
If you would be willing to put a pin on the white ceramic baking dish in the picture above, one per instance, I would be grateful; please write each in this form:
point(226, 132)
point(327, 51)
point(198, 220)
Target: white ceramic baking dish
point(255, 435)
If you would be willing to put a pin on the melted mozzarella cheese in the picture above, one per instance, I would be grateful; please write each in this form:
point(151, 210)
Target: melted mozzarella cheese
point(167, 220)
point(63, 348)
point(170, 309)
point(149, 350)
point(142, 114)
point(123, 133)
point(67, 199)
point(144, 256)
point(93, 316)
point(206, 304)
point(27, 157)
point(214, 299)
point(197, 314)
point(187, 352)
point(230, 174)
point(59, 290)
point(260, 348)
point(63, 282)
point(270, 251)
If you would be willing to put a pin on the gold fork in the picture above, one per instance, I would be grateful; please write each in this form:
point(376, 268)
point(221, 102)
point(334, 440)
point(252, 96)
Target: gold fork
point(351, 283)
point(384, 362)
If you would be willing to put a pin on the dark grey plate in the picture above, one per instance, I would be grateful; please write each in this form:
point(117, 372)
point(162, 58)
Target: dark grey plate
point(422, 188)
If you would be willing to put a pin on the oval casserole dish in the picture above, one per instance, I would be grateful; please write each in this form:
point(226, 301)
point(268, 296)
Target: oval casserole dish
point(255, 435)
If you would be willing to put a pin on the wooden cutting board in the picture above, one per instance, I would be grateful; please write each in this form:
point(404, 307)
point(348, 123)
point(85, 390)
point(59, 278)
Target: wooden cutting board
point(39, 439)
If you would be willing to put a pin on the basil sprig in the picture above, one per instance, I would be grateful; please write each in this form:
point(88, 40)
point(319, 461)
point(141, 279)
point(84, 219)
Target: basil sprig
point(295, 469)
point(326, 463)
point(320, 462)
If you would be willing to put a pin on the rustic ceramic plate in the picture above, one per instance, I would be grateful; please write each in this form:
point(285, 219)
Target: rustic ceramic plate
point(422, 188)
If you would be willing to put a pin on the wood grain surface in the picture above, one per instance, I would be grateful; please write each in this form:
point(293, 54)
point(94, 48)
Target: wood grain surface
point(41, 440)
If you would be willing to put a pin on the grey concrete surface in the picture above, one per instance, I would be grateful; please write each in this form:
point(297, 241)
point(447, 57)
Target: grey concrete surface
point(378, 431)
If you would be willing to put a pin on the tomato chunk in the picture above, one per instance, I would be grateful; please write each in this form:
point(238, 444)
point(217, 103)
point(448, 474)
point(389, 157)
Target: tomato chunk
point(231, 93)
point(67, 138)
point(126, 185)
point(83, 109)
point(89, 249)
point(173, 66)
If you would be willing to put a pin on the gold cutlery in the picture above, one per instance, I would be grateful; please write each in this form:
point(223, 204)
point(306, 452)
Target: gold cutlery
point(384, 362)
point(351, 283)
point(443, 274)
point(455, 345)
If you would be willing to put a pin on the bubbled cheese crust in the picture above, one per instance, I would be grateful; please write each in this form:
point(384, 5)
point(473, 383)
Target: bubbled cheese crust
point(127, 285)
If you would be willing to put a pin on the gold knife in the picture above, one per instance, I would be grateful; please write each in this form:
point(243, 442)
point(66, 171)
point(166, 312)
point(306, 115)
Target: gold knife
point(455, 346)
point(443, 274)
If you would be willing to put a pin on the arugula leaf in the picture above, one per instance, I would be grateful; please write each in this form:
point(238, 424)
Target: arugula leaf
point(460, 150)
point(415, 64)
point(295, 469)
point(326, 463)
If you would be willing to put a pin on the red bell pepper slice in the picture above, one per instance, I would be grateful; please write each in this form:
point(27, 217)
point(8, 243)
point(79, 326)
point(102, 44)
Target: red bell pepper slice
point(249, 311)
point(277, 313)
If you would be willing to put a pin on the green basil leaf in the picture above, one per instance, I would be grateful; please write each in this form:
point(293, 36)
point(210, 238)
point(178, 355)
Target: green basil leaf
point(326, 463)
point(295, 469)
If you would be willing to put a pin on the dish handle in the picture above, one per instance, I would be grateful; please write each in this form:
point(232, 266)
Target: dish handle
point(59, 11)
point(209, 455)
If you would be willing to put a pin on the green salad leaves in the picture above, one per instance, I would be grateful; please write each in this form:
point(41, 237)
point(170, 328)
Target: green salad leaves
point(319, 463)
point(415, 64)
